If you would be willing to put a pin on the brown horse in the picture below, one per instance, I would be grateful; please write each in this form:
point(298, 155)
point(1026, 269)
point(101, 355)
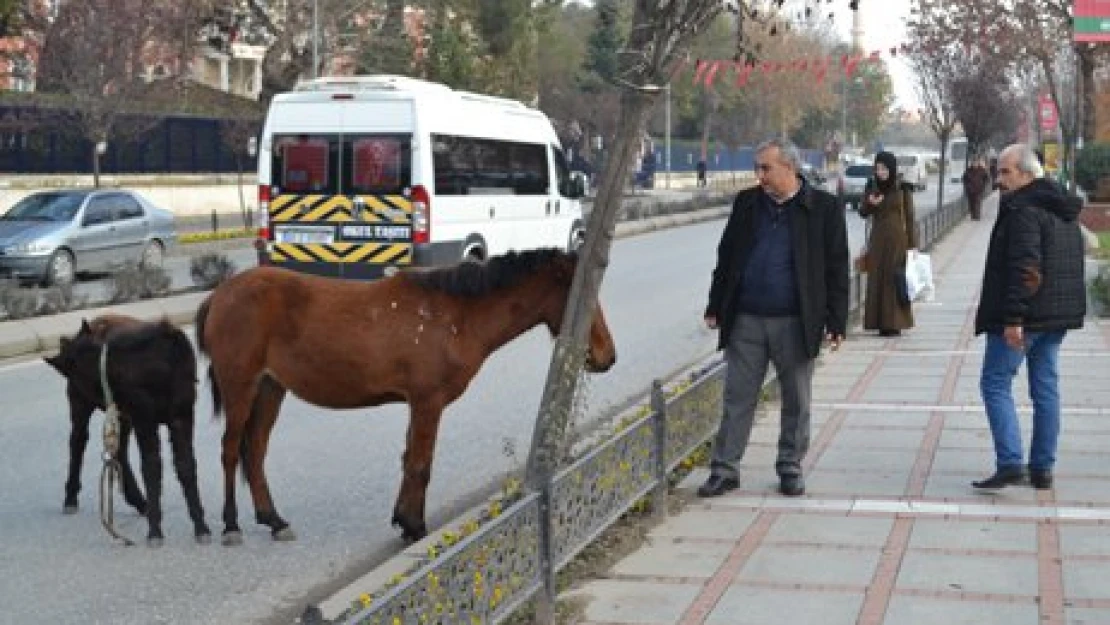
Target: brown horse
point(418, 337)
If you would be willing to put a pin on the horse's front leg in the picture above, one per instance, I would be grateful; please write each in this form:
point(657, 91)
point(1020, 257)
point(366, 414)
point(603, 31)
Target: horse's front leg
point(408, 513)
point(80, 411)
point(185, 465)
point(151, 455)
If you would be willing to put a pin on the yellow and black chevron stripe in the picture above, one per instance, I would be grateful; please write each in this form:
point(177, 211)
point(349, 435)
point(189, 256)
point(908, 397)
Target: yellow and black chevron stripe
point(383, 209)
point(375, 253)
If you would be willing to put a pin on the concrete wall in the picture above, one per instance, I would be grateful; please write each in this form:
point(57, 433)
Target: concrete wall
point(199, 195)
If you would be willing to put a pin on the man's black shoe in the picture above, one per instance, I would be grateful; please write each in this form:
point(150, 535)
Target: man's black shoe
point(792, 485)
point(717, 485)
point(1001, 479)
point(1041, 478)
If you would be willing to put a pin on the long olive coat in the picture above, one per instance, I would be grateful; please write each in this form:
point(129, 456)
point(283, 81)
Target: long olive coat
point(893, 232)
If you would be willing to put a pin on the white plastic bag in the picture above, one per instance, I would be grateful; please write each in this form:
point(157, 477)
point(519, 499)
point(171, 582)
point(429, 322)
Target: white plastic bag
point(919, 277)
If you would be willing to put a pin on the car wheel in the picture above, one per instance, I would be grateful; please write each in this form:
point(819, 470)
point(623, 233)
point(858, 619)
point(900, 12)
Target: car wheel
point(60, 269)
point(153, 255)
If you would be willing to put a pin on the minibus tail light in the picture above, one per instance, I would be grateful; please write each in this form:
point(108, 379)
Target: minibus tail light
point(262, 216)
point(421, 214)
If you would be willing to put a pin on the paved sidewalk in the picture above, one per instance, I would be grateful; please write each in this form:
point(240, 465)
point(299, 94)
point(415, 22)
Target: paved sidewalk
point(890, 530)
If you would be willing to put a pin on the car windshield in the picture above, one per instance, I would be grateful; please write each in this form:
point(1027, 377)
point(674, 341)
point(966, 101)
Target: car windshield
point(858, 171)
point(46, 207)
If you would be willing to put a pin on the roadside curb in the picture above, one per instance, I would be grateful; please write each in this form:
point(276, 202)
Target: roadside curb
point(28, 337)
point(35, 335)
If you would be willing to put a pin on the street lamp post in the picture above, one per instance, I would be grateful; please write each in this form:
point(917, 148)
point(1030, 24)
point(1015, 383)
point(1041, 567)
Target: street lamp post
point(667, 135)
point(843, 112)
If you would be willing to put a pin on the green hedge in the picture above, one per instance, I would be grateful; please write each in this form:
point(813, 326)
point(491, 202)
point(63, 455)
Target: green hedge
point(1092, 163)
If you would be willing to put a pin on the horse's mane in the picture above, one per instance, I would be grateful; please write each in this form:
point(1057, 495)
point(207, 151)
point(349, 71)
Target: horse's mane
point(471, 279)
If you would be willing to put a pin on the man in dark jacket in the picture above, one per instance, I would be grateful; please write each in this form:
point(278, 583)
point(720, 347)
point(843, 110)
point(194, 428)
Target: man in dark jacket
point(780, 286)
point(1033, 293)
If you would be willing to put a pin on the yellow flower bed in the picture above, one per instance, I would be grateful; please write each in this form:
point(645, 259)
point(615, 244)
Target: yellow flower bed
point(219, 235)
point(512, 489)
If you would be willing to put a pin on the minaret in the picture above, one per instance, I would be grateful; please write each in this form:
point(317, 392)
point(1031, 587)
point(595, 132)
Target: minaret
point(857, 30)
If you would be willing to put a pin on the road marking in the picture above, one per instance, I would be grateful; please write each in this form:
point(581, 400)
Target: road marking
point(26, 364)
point(920, 508)
point(950, 408)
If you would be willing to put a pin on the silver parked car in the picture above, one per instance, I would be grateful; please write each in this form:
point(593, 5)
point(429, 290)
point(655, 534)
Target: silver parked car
point(853, 183)
point(51, 236)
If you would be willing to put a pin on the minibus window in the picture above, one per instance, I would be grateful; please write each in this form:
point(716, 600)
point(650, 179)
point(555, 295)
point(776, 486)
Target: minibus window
point(562, 171)
point(528, 167)
point(377, 164)
point(306, 164)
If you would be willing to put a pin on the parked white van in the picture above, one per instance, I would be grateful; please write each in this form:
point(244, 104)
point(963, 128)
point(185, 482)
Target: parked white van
point(912, 168)
point(360, 175)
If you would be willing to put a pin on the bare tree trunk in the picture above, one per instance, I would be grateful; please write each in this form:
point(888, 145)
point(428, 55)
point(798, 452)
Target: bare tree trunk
point(1087, 65)
point(943, 169)
point(550, 436)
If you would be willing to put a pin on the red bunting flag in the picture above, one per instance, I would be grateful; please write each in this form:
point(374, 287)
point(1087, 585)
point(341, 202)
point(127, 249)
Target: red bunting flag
point(743, 72)
point(699, 69)
point(705, 71)
point(712, 73)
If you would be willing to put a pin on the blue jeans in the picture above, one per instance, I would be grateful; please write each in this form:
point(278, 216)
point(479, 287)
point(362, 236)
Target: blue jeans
point(1000, 365)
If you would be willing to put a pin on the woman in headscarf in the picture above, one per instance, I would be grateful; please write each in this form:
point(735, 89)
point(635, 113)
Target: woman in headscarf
point(889, 204)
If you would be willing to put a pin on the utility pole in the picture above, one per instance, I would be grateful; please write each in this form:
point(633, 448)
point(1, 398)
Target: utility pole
point(315, 38)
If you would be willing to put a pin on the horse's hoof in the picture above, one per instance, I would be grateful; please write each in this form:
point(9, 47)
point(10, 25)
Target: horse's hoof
point(154, 541)
point(69, 508)
point(410, 532)
point(204, 539)
point(284, 535)
point(232, 539)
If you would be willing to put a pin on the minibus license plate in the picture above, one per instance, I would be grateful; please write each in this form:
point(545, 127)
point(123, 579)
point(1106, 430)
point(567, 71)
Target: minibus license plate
point(290, 235)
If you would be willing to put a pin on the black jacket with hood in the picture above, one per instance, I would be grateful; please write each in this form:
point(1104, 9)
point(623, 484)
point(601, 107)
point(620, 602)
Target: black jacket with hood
point(1034, 271)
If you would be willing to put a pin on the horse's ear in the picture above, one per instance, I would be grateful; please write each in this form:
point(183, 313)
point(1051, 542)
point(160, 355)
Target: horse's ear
point(54, 361)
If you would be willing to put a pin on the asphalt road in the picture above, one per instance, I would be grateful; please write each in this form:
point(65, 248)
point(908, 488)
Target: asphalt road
point(333, 474)
point(98, 289)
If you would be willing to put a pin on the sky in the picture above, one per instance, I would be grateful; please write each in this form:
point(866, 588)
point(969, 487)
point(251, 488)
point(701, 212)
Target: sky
point(884, 27)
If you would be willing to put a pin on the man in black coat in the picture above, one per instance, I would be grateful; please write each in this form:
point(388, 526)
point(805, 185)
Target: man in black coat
point(780, 287)
point(1033, 293)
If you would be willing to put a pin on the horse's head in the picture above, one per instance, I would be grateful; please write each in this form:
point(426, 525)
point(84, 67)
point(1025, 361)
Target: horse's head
point(67, 361)
point(601, 352)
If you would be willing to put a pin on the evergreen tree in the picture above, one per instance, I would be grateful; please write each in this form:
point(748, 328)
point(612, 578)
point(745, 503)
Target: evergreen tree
point(390, 51)
point(600, 66)
point(452, 52)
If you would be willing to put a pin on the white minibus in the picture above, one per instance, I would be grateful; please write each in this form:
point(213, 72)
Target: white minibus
point(359, 176)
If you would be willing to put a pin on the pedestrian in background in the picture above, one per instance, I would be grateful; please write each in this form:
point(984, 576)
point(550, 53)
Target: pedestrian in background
point(779, 288)
point(1033, 293)
point(976, 180)
point(889, 205)
point(701, 169)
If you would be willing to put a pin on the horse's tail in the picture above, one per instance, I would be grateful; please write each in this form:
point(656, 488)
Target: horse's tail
point(198, 324)
point(199, 321)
